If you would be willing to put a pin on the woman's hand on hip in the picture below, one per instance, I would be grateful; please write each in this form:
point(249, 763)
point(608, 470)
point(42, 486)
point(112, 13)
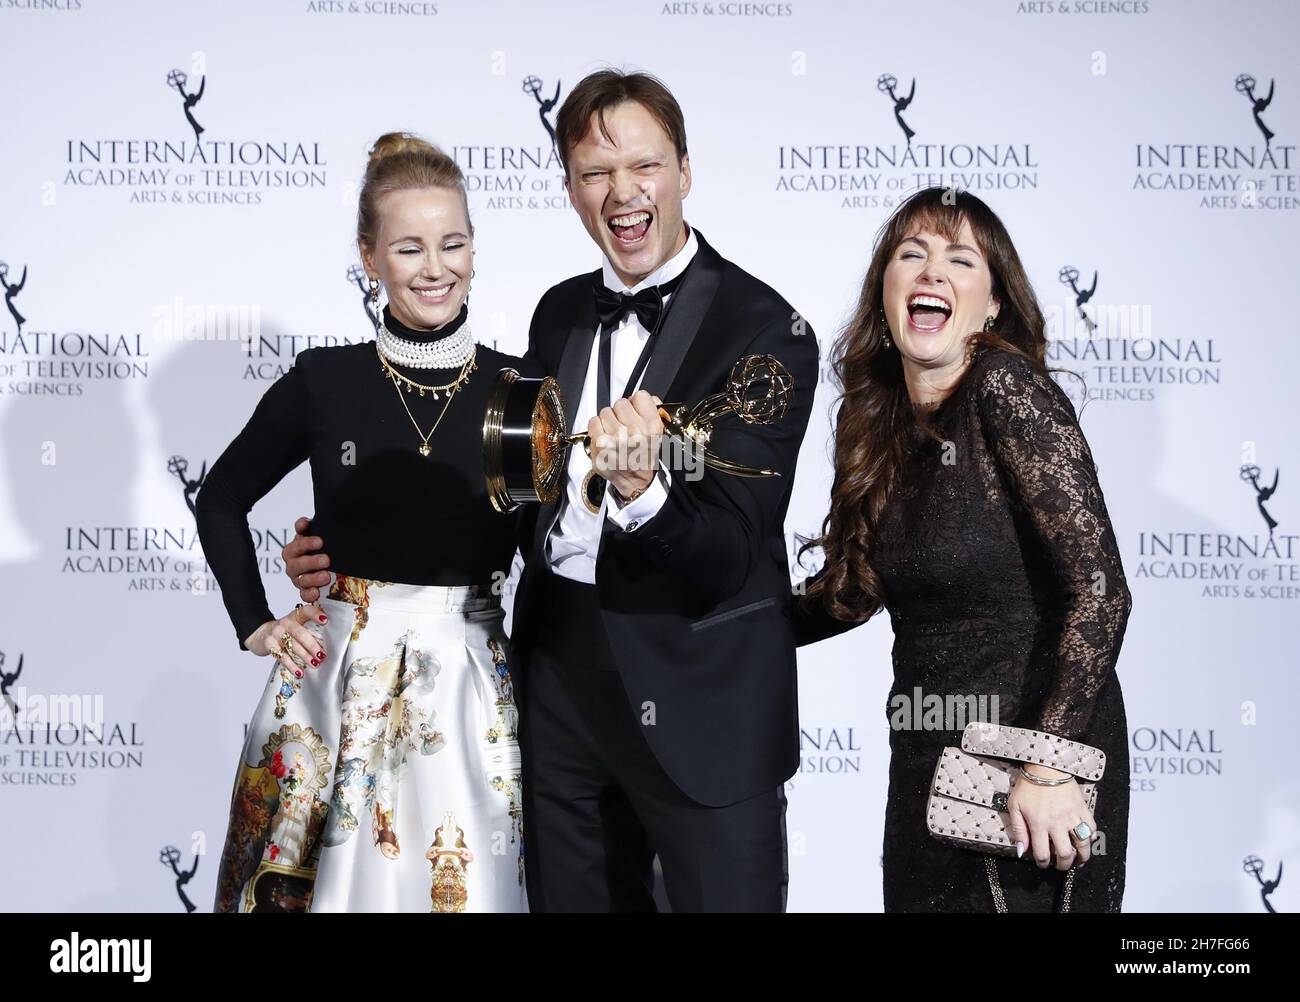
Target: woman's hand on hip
point(289, 640)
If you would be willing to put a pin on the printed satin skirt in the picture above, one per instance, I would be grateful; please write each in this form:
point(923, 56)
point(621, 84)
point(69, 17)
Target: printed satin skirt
point(387, 778)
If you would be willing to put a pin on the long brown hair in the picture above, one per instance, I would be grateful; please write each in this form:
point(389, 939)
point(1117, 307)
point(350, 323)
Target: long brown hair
point(875, 416)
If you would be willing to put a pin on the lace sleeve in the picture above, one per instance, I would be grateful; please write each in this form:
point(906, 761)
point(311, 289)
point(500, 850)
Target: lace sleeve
point(1048, 469)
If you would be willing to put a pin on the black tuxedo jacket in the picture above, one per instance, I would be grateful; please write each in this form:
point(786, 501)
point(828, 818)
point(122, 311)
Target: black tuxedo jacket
point(696, 601)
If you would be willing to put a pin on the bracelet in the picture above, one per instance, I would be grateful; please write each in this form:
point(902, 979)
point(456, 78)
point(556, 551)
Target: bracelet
point(1041, 780)
point(625, 501)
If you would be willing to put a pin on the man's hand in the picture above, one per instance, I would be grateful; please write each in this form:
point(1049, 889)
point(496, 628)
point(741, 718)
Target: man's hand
point(306, 567)
point(625, 442)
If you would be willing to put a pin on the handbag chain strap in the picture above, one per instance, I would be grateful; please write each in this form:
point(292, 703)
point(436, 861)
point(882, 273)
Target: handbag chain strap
point(1000, 900)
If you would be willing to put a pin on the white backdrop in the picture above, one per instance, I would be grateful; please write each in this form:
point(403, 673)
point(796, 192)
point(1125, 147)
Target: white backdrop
point(160, 295)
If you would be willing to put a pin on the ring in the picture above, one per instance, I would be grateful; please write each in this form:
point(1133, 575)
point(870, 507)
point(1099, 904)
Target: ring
point(286, 642)
point(1081, 832)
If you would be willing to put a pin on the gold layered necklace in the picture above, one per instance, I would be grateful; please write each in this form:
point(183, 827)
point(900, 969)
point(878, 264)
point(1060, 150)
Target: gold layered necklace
point(447, 389)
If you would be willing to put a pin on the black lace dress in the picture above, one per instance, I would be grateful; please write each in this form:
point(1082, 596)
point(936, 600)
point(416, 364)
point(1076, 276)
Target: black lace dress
point(1003, 579)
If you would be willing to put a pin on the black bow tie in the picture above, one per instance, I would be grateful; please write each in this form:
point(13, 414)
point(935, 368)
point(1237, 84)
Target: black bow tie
point(648, 304)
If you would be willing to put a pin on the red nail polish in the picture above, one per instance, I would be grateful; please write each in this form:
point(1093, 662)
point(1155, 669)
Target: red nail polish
point(324, 619)
point(298, 672)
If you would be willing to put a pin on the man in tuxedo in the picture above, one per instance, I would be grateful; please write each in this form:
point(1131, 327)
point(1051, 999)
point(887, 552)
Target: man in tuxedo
point(657, 684)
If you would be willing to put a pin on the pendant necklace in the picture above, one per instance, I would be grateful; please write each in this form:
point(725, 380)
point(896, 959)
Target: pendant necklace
point(449, 389)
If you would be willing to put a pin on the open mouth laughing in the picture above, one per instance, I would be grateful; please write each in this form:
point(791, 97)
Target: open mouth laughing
point(630, 228)
point(927, 313)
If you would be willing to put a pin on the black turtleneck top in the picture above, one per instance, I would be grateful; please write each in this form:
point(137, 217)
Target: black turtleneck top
point(383, 510)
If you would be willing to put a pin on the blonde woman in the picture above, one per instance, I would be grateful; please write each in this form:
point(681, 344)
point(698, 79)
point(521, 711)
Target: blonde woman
point(381, 770)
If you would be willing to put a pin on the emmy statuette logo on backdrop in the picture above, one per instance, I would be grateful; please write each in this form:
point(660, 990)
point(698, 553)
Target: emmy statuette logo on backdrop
point(886, 84)
point(1250, 473)
point(169, 856)
point(177, 79)
point(1069, 275)
point(1254, 866)
point(1245, 85)
point(179, 466)
point(533, 86)
point(11, 290)
point(7, 679)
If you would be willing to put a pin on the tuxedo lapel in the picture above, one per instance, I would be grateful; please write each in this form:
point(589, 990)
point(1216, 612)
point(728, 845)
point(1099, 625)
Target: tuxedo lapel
point(686, 311)
point(571, 374)
point(576, 357)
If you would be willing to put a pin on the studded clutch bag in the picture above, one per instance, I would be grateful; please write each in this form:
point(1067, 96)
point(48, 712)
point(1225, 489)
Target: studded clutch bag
point(968, 795)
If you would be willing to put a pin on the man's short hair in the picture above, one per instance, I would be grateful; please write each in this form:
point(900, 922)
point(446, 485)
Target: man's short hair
point(606, 89)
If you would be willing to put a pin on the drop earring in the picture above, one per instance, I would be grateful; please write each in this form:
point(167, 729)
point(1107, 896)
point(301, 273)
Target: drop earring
point(988, 324)
point(885, 343)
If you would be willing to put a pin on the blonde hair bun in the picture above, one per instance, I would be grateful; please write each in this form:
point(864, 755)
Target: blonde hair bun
point(400, 161)
point(393, 143)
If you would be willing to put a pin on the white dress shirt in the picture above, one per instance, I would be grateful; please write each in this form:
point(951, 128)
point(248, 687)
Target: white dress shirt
point(574, 537)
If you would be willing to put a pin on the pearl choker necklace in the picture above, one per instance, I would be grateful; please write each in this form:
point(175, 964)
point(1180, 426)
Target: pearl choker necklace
point(450, 352)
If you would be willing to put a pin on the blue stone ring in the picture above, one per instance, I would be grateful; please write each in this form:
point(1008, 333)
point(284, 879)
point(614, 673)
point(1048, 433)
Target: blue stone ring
point(1081, 832)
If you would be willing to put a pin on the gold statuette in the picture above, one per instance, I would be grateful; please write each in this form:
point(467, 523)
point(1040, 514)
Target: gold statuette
point(526, 448)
